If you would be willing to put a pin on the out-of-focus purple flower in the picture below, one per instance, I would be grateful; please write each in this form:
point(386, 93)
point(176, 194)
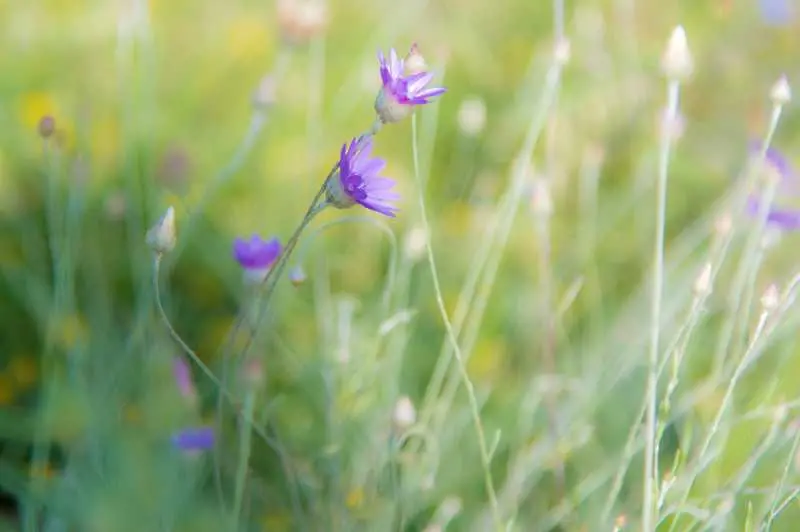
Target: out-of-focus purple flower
point(256, 255)
point(402, 90)
point(358, 181)
point(776, 12)
point(781, 215)
point(183, 378)
point(194, 439)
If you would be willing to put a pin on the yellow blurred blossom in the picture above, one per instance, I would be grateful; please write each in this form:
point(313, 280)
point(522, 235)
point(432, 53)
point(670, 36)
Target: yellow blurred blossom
point(486, 360)
point(247, 38)
point(7, 390)
point(42, 472)
point(33, 106)
point(24, 370)
point(276, 522)
point(355, 498)
point(70, 331)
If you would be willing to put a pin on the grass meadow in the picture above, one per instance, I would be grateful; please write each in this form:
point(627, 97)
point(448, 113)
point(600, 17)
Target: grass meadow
point(582, 317)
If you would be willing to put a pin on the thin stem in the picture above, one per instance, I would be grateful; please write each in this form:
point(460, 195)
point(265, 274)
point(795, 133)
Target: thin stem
point(650, 465)
point(273, 443)
point(474, 409)
point(751, 250)
point(244, 457)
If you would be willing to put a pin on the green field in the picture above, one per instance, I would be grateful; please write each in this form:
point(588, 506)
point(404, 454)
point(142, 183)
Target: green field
point(499, 378)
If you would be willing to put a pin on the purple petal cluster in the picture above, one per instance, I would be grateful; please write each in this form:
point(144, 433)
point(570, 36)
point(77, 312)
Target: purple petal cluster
point(402, 91)
point(183, 378)
point(358, 181)
point(194, 439)
point(780, 216)
point(256, 253)
point(777, 12)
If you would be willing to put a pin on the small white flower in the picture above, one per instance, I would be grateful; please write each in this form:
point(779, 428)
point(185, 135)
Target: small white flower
point(677, 62)
point(405, 415)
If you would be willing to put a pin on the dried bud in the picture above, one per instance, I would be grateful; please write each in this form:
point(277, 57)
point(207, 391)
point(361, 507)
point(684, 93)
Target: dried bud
point(253, 373)
point(677, 62)
point(297, 276)
point(771, 298)
point(47, 126)
point(414, 62)
point(405, 415)
point(781, 93)
point(161, 237)
point(472, 116)
point(702, 285)
point(301, 20)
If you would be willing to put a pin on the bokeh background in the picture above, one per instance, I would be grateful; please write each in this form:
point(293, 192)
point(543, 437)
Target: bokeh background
point(233, 113)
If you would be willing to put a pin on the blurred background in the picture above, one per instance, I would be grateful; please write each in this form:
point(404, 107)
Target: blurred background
point(233, 113)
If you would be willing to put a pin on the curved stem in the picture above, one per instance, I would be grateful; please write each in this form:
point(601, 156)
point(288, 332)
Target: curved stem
point(473, 401)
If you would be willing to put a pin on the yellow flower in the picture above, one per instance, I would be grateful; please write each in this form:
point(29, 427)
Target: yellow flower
point(247, 38)
point(276, 522)
point(7, 390)
point(355, 498)
point(33, 106)
point(70, 331)
point(486, 360)
point(24, 370)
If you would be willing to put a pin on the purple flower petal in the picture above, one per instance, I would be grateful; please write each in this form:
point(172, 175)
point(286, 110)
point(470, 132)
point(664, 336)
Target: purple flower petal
point(183, 377)
point(255, 253)
point(401, 89)
point(359, 179)
point(194, 439)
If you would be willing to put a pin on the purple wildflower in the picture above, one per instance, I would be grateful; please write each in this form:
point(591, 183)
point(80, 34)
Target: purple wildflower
point(357, 180)
point(776, 12)
point(402, 90)
point(256, 256)
point(194, 439)
point(780, 216)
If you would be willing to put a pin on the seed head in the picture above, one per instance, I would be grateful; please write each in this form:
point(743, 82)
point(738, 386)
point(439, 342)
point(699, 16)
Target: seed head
point(771, 298)
point(405, 415)
point(781, 92)
point(472, 116)
point(47, 126)
point(702, 285)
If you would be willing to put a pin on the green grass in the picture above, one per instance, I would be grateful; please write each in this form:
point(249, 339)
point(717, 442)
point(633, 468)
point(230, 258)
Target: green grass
point(549, 310)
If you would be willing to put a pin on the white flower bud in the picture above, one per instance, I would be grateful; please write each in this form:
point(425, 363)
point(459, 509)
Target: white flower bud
point(702, 285)
point(677, 62)
point(771, 298)
point(415, 243)
point(472, 116)
point(781, 93)
point(405, 415)
point(161, 237)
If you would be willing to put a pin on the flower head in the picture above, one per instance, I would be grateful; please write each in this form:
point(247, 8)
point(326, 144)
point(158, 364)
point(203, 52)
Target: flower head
point(782, 215)
point(357, 180)
point(777, 12)
point(256, 255)
point(401, 92)
point(194, 439)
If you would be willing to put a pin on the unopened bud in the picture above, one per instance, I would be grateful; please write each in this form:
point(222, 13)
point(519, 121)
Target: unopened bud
point(414, 62)
point(771, 298)
point(47, 126)
point(561, 52)
point(415, 243)
point(297, 276)
point(781, 93)
point(677, 62)
point(702, 285)
point(161, 237)
point(404, 415)
point(472, 116)
point(723, 224)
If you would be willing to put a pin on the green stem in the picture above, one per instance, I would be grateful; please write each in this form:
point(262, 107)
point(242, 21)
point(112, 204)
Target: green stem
point(244, 457)
point(473, 401)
